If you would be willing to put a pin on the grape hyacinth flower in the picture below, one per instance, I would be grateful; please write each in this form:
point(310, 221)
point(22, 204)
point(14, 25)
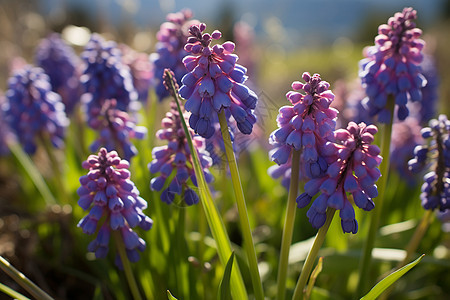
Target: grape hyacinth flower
point(352, 169)
point(214, 82)
point(33, 110)
point(106, 76)
point(115, 128)
point(436, 186)
point(306, 125)
point(60, 63)
point(112, 198)
point(405, 137)
point(176, 156)
point(172, 36)
point(141, 70)
point(392, 66)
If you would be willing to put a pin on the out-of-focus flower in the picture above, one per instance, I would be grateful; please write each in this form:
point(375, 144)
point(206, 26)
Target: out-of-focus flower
point(112, 198)
point(352, 169)
point(405, 137)
point(172, 36)
point(436, 186)
point(60, 63)
point(306, 125)
point(392, 66)
point(214, 82)
point(427, 108)
point(176, 157)
point(33, 110)
point(141, 70)
point(106, 76)
point(115, 128)
point(6, 135)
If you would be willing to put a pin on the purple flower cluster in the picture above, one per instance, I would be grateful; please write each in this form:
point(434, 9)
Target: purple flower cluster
point(392, 66)
point(33, 110)
point(436, 188)
point(214, 82)
point(352, 169)
point(172, 36)
point(176, 155)
point(60, 63)
point(112, 198)
point(115, 128)
point(305, 125)
point(106, 76)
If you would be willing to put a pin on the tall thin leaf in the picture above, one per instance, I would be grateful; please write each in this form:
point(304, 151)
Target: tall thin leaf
point(224, 287)
point(389, 280)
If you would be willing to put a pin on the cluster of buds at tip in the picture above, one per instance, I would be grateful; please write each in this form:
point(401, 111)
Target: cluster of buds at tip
point(392, 66)
point(436, 154)
point(353, 163)
point(215, 82)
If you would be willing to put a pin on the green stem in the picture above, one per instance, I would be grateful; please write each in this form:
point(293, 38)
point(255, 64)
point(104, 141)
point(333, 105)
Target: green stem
point(412, 245)
point(288, 226)
point(212, 215)
point(242, 209)
point(12, 293)
point(126, 266)
point(364, 265)
point(312, 255)
point(23, 281)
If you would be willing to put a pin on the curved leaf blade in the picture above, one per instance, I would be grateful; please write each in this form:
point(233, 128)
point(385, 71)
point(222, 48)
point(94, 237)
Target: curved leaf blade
point(224, 287)
point(381, 286)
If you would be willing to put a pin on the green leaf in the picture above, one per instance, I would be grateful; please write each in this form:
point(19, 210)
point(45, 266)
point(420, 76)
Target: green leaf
point(389, 280)
point(212, 215)
point(32, 171)
point(224, 287)
point(10, 292)
point(23, 281)
point(170, 297)
point(312, 279)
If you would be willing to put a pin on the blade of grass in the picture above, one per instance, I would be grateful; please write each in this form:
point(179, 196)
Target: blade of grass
point(23, 281)
point(312, 279)
point(10, 292)
point(224, 287)
point(212, 216)
point(242, 209)
point(389, 280)
point(33, 173)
